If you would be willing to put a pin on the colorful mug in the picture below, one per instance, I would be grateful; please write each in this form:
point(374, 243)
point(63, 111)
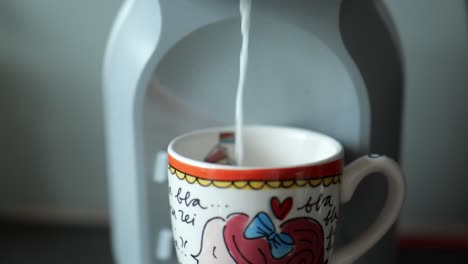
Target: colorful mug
point(281, 206)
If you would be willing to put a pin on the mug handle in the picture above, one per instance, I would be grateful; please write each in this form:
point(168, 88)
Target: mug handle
point(353, 174)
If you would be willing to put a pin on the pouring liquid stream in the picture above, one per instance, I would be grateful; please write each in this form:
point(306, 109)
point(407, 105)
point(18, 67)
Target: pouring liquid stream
point(245, 8)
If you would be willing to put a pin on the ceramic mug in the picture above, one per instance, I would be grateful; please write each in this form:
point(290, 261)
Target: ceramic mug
point(281, 206)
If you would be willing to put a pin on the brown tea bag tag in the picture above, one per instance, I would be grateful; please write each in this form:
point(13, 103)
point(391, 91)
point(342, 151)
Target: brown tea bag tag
point(223, 151)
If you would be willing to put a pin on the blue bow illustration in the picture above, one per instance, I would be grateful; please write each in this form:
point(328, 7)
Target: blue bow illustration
point(262, 226)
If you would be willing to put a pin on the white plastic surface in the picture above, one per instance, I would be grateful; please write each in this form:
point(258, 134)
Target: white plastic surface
point(164, 245)
point(160, 168)
point(134, 36)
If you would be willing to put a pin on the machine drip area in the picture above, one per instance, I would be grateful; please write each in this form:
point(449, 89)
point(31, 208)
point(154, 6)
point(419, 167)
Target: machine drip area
point(179, 74)
point(293, 78)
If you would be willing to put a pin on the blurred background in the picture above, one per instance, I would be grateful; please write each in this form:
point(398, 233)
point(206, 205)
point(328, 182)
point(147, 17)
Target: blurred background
point(52, 156)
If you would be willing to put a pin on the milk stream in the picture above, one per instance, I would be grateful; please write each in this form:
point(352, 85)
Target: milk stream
point(245, 7)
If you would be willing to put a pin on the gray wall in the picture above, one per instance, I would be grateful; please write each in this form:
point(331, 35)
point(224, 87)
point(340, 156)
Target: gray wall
point(434, 37)
point(52, 161)
point(52, 150)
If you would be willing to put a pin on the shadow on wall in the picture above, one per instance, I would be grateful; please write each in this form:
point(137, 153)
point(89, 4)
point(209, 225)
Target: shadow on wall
point(22, 166)
point(368, 35)
point(52, 145)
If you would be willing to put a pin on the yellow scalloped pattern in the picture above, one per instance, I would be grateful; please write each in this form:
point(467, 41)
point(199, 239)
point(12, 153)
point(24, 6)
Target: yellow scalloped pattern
point(255, 185)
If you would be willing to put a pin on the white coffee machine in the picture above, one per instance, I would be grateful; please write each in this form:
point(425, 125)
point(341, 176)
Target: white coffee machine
point(171, 66)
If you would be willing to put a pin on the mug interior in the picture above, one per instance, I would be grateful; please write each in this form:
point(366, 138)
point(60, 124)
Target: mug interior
point(264, 147)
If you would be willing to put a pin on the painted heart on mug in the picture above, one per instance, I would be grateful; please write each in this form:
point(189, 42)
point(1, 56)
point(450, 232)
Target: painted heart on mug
point(298, 240)
point(281, 209)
